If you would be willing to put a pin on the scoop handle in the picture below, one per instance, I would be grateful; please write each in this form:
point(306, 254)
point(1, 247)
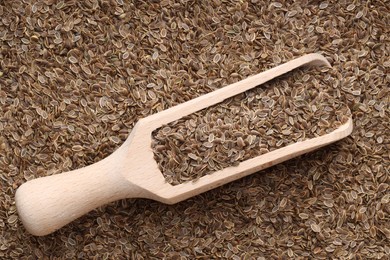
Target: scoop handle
point(46, 204)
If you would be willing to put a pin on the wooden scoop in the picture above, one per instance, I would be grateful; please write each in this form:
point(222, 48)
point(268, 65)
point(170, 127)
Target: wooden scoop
point(46, 204)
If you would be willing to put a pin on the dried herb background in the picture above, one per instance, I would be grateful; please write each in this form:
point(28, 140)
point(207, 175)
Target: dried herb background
point(76, 75)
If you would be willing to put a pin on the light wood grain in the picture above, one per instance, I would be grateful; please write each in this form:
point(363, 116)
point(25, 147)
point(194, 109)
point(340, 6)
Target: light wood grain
point(46, 204)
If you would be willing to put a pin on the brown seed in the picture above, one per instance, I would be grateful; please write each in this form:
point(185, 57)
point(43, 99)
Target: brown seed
point(359, 15)
point(115, 139)
point(77, 148)
point(323, 5)
point(217, 58)
point(193, 156)
point(350, 7)
point(12, 219)
point(73, 59)
point(283, 203)
point(155, 55)
point(207, 144)
point(277, 4)
point(240, 142)
point(385, 199)
point(86, 69)
point(316, 228)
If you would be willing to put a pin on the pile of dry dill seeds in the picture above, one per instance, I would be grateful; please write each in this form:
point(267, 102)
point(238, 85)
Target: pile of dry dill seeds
point(75, 76)
point(248, 125)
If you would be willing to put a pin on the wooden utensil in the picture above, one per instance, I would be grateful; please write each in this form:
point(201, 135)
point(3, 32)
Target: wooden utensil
point(46, 204)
